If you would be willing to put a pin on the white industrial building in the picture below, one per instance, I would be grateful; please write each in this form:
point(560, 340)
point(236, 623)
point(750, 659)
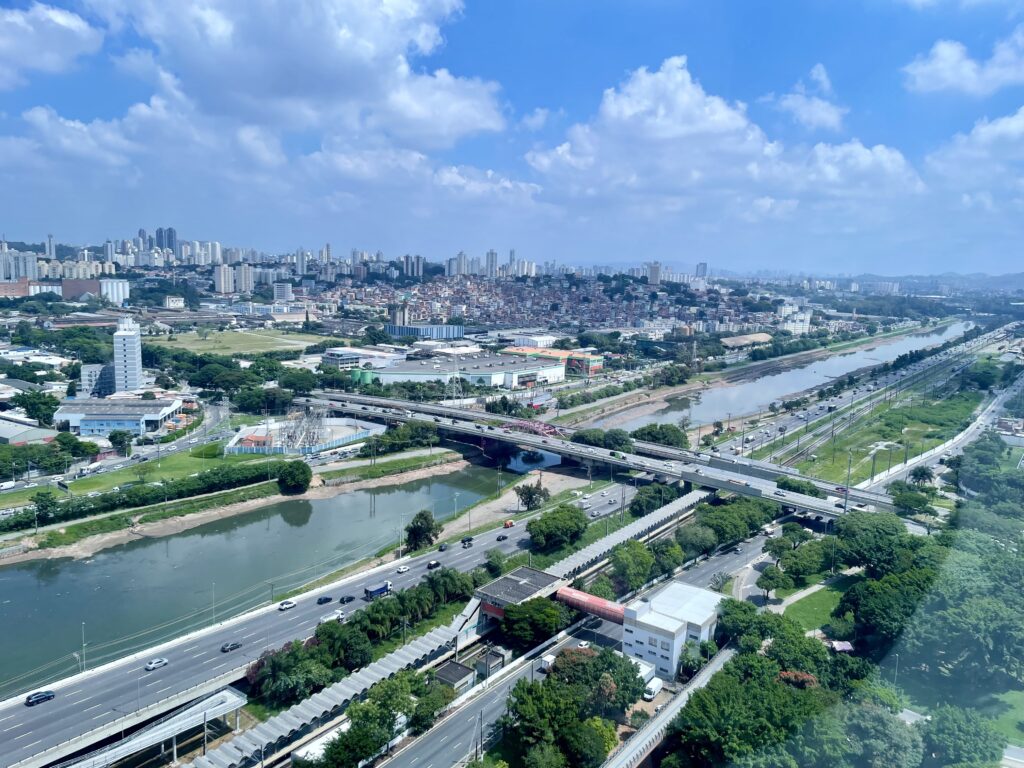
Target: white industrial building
point(115, 291)
point(656, 629)
point(485, 370)
point(534, 340)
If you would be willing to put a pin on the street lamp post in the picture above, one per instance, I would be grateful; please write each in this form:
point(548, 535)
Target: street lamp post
point(83, 646)
point(849, 467)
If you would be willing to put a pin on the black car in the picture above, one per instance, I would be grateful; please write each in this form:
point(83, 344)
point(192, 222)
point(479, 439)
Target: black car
point(38, 698)
point(467, 544)
point(345, 599)
point(502, 536)
point(323, 600)
point(443, 548)
point(233, 645)
point(466, 539)
point(433, 564)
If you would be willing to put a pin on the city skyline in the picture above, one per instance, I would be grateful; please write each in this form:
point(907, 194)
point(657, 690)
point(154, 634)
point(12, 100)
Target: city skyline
point(702, 143)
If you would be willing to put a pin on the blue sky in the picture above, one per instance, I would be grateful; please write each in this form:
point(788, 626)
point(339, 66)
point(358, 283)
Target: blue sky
point(883, 135)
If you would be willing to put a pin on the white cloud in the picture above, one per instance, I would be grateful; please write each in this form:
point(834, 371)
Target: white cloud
point(949, 67)
point(535, 120)
point(820, 77)
point(331, 65)
point(42, 39)
point(812, 111)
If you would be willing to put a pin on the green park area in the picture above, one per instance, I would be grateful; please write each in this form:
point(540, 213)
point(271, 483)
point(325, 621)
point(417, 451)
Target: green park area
point(233, 342)
point(890, 432)
point(815, 610)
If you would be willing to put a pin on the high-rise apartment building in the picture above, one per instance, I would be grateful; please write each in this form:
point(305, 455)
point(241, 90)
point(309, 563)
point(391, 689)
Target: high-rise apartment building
point(171, 239)
point(702, 269)
point(245, 281)
point(492, 264)
point(283, 292)
point(223, 279)
point(51, 251)
point(108, 251)
point(216, 257)
point(300, 262)
point(127, 355)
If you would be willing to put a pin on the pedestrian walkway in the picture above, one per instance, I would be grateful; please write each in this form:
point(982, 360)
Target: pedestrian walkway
point(781, 607)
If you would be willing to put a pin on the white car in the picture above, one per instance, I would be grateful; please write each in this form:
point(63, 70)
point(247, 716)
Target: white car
point(286, 605)
point(119, 466)
point(403, 569)
point(31, 485)
point(156, 663)
point(583, 644)
point(193, 441)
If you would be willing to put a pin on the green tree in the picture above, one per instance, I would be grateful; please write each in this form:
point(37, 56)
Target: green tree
point(45, 507)
point(422, 530)
point(921, 475)
point(495, 561)
point(777, 547)
point(37, 405)
point(583, 745)
point(773, 578)
point(532, 496)
point(696, 540)
point(661, 434)
point(294, 477)
point(955, 736)
point(298, 380)
point(121, 441)
point(560, 526)
point(530, 623)
point(631, 564)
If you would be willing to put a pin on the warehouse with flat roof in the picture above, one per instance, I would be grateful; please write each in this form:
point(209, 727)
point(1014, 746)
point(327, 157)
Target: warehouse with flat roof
point(101, 417)
point(484, 369)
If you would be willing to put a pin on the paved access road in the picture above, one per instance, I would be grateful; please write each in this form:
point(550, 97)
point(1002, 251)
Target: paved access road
point(85, 703)
point(454, 738)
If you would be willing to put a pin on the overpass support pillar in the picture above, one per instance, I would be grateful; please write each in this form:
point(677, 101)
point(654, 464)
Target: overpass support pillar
point(174, 749)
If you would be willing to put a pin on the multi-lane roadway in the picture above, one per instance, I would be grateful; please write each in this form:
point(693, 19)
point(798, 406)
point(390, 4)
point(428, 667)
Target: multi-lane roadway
point(101, 700)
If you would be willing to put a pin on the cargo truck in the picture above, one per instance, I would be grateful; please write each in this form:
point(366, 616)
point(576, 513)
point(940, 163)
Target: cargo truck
point(380, 591)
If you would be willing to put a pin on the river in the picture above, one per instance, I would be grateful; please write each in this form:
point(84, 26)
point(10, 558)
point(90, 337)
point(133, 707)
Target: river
point(733, 401)
point(141, 593)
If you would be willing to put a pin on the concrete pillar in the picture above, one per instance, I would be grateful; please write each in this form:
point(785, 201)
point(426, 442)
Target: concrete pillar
point(174, 749)
point(236, 720)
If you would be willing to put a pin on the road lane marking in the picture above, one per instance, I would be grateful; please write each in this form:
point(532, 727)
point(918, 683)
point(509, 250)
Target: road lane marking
point(7, 718)
point(92, 707)
point(165, 689)
point(190, 648)
point(27, 746)
point(73, 692)
point(444, 739)
point(249, 635)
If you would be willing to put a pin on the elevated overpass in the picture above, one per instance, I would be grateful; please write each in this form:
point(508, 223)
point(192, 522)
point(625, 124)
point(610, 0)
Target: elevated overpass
point(698, 472)
point(753, 468)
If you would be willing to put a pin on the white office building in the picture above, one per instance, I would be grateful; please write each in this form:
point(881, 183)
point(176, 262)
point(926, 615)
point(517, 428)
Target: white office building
point(656, 629)
point(283, 292)
point(127, 356)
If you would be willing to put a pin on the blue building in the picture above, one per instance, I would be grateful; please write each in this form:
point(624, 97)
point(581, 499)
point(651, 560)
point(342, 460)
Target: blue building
point(425, 331)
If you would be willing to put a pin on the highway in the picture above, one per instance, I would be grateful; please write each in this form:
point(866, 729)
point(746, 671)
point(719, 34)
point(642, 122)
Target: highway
point(453, 739)
point(100, 698)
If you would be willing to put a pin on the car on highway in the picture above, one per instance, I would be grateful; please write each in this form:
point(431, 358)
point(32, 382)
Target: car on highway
point(93, 494)
point(337, 615)
point(31, 485)
point(156, 663)
point(467, 544)
point(584, 644)
point(323, 600)
point(119, 466)
point(779, 493)
point(403, 569)
point(286, 605)
point(39, 697)
point(345, 599)
point(193, 441)
point(738, 550)
point(502, 536)
point(433, 564)
point(231, 645)
point(611, 501)
point(443, 548)
point(467, 539)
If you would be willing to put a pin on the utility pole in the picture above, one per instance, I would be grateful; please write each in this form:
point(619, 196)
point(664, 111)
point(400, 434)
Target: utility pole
point(83, 646)
point(849, 467)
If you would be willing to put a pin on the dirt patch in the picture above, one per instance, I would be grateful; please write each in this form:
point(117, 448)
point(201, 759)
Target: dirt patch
point(507, 504)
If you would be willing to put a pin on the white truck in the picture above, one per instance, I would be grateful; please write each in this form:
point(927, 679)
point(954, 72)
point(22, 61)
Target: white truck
point(653, 688)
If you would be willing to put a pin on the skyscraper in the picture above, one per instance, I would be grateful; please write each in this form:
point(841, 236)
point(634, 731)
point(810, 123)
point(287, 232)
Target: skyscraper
point(108, 251)
point(300, 262)
point(127, 355)
point(160, 242)
point(51, 252)
point(171, 239)
point(492, 264)
point(215, 253)
point(702, 269)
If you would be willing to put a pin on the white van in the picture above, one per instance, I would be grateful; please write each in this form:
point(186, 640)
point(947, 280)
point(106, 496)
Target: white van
point(653, 688)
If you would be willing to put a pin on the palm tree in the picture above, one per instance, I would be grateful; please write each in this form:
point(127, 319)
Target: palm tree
point(921, 475)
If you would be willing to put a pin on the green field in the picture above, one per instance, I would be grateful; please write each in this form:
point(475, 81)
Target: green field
point(887, 430)
point(815, 610)
point(232, 342)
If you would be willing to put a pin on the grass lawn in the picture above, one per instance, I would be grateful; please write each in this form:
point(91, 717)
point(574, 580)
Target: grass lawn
point(815, 610)
point(831, 463)
point(232, 342)
point(177, 465)
point(810, 580)
point(1005, 709)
